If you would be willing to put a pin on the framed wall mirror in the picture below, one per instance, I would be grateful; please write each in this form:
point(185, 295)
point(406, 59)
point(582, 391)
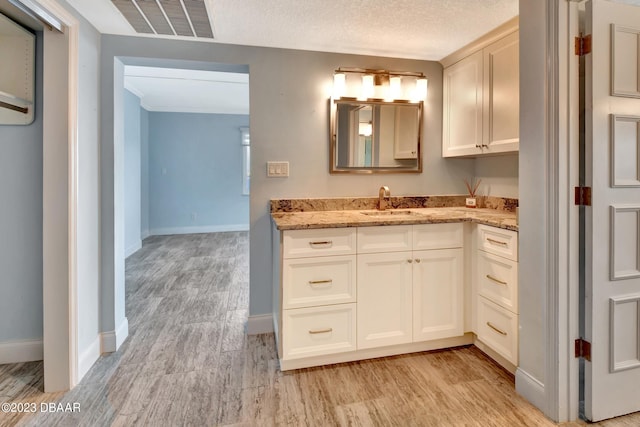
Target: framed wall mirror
point(375, 136)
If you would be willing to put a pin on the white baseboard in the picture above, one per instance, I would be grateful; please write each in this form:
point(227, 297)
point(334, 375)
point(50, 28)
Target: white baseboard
point(145, 234)
point(261, 324)
point(88, 357)
point(112, 340)
point(21, 351)
point(197, 230)
point(133, 248)
point(531, 389)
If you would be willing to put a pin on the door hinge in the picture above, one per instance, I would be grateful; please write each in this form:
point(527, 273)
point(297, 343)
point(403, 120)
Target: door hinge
point(583, 349)
point(583, 45)
point(583, 196)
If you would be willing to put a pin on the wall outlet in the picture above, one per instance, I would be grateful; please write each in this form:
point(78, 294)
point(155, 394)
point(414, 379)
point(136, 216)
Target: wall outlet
point(278, 169)
point(194, 216)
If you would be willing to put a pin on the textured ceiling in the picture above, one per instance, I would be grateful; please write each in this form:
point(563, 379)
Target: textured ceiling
point(419, 29)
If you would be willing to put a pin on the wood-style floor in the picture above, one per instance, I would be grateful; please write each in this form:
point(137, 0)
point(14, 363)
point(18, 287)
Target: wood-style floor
point(189, 362)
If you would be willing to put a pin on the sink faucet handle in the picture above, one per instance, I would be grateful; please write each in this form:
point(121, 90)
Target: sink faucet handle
point(384, 192)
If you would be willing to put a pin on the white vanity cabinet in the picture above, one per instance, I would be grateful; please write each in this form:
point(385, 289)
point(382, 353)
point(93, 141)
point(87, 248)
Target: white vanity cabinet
point(481, 99)
point(343, 294)
point(318, 292)
point(496, 288)
point(405, 294)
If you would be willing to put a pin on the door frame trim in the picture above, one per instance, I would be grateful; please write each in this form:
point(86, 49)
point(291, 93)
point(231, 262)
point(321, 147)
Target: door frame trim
point(57, 359)
point(562, 254)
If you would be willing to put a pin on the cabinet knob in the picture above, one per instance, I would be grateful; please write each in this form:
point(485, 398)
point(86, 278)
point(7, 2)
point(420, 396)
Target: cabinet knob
point(485, 146)
point(409, 261)
point(478, 146)
point(418, 260)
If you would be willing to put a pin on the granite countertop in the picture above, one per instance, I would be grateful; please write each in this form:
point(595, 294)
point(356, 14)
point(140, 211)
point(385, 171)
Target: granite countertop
point(359, 218)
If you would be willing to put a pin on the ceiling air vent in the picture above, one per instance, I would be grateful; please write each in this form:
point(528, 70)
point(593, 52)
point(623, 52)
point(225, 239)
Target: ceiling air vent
point(168, 17)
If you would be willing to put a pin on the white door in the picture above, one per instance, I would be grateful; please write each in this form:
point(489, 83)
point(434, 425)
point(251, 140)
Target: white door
point(437, 294)
point(384, 295)
point(612, 237)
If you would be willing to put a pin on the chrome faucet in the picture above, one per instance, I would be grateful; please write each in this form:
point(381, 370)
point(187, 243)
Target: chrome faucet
point(383, 195)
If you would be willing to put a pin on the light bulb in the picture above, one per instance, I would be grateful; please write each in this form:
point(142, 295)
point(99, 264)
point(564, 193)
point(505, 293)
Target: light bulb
point(368, 88)
point(395, 87)
point(339, 85)
point(421, 89)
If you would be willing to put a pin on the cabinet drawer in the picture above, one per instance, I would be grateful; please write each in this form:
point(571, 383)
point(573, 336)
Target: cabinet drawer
point(498, 241)
point(393, 238)
point(437, 236)
point(497, 280)
point(321, 242)
point(317, 331)
point(309, 282)
point(498, 328)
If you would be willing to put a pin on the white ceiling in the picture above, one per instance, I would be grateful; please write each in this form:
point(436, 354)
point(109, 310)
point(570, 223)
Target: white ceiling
point(417, 29)
point(188, 91)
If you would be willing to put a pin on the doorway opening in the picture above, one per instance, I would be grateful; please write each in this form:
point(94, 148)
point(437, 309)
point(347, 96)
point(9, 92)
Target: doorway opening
point(186, 185)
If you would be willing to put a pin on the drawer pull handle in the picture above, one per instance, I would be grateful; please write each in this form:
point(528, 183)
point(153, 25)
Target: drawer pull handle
point(409, 261)
point(496, 242)
point(498, 330)
point(490, 277)
point(323, 243)
point(320, 331)
point(320, 282)
point(418, 260)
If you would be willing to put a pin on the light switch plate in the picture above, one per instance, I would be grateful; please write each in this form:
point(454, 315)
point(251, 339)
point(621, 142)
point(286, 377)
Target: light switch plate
point(278, 169)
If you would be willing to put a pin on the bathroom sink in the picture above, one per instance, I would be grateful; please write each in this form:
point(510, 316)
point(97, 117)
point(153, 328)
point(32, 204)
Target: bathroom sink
point(390, 213)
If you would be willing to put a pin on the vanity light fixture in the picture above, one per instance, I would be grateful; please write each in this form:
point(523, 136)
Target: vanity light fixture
point(378, 85)
point(421, 88)
point(339, 85)
point(368, 88)
point(395, 87)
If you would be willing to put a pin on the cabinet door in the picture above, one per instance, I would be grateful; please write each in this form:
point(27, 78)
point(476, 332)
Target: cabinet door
point(462, 107)
point(308, 282)
point(406, 129)
point(384, 299)
point(501, 130)
point(316, 331)
point(498, 328)
point(438, 302)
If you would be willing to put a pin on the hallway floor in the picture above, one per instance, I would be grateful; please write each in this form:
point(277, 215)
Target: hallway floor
point(188, 361)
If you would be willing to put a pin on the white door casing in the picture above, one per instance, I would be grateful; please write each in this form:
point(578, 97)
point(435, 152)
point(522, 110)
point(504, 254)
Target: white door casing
point(612, 238)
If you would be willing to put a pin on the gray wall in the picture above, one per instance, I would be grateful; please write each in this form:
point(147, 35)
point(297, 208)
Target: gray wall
point(499, 175)
point(132, 173)
point(533, 231)
point(289, 121)
point(21, 223)
point(195, 173)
